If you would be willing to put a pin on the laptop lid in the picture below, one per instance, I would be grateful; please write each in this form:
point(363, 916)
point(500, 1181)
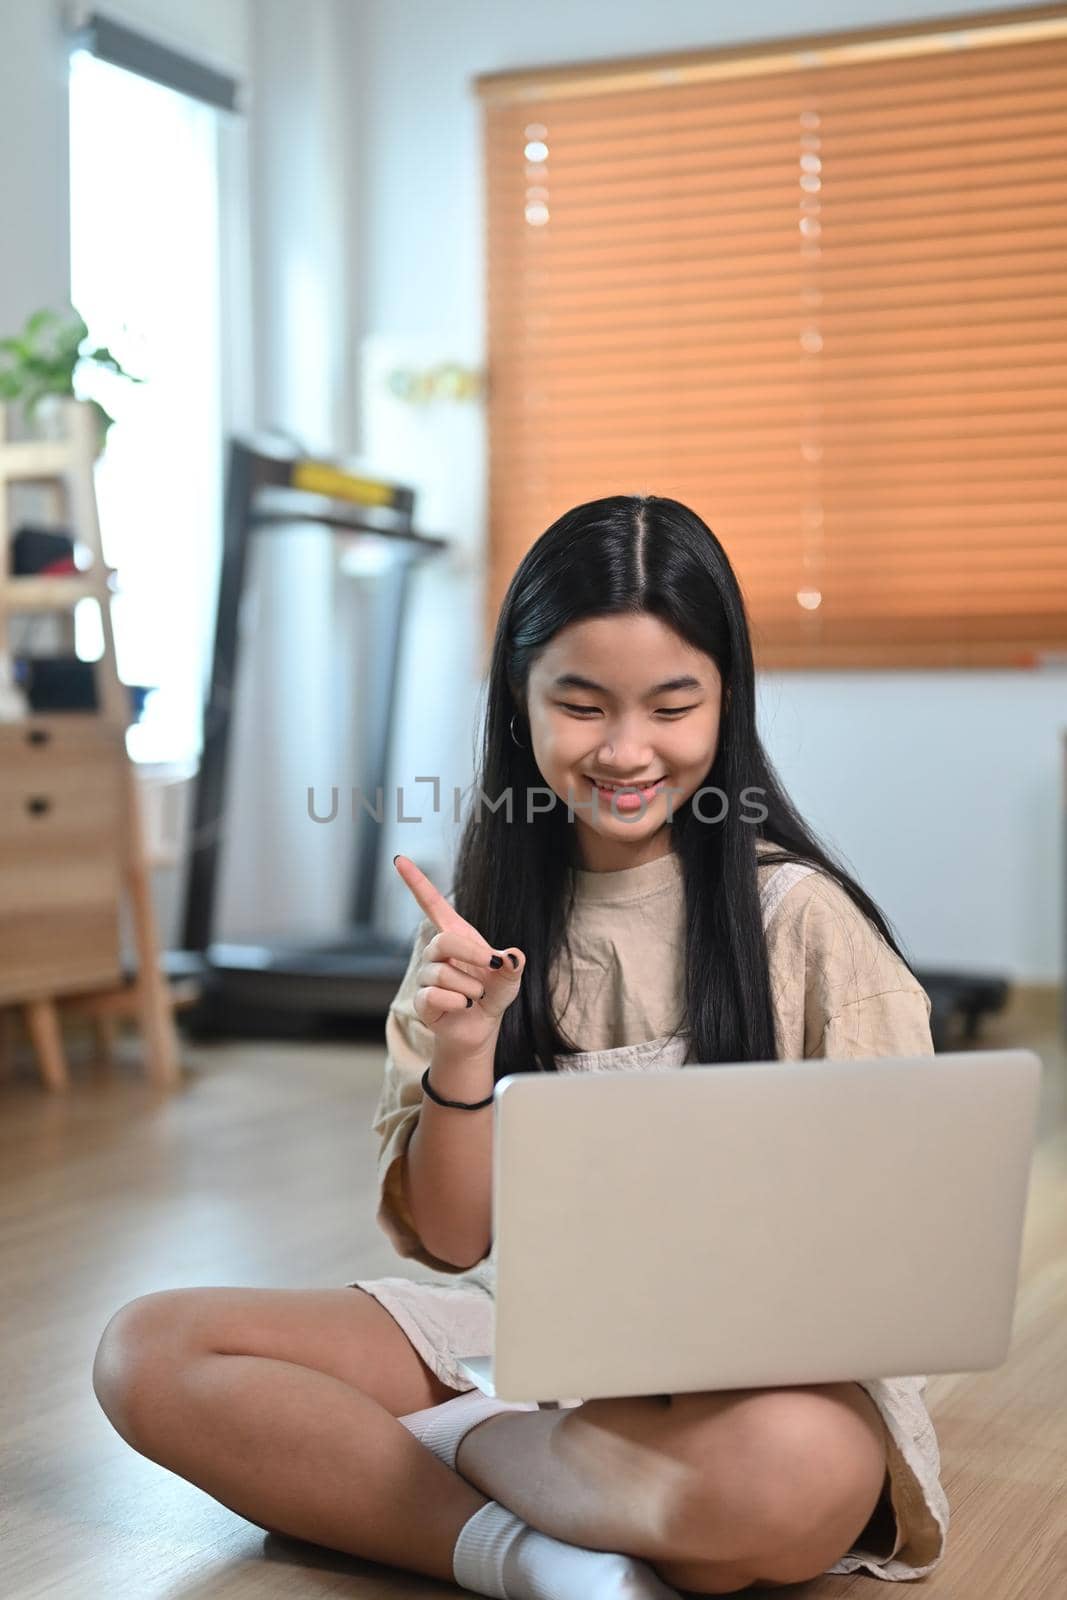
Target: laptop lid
point(768, 1223)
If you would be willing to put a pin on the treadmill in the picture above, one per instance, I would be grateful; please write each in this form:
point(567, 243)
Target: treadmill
point(297, 988)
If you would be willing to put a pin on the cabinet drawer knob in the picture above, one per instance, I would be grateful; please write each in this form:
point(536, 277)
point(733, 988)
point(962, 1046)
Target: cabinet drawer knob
point(38, 805)
point(38, 736)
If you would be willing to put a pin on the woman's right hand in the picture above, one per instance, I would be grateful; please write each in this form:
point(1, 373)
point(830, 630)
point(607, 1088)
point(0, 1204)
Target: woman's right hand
point(461, 997)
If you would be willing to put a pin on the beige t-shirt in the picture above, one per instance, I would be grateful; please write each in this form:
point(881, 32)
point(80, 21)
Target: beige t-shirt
point(837, 988)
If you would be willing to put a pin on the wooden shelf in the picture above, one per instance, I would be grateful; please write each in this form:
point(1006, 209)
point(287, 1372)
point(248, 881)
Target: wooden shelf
point(25, 594)
point(72, 846)
point(37, 460)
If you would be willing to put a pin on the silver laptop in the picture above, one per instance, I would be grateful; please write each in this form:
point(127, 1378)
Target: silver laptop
point(771, 1223)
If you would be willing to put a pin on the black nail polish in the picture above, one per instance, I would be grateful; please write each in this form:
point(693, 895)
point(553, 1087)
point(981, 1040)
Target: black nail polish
point(496, 961)
point(396, 858)
point(513, 959)
point(470, 1002)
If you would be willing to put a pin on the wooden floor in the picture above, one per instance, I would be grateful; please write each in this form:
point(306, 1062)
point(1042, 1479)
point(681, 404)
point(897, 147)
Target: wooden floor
point(258, 1171)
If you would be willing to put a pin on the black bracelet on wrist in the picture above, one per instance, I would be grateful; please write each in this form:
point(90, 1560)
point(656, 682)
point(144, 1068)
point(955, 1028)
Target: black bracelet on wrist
point(457, 1105)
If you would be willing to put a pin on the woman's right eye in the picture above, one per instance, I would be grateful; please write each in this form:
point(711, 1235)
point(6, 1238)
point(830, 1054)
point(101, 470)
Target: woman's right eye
point(579, 709)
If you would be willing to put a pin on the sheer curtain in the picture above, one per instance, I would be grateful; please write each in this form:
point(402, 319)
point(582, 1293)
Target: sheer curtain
point(146, 276)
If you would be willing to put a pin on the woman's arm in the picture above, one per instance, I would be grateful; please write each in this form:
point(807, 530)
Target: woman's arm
point(448, 1168)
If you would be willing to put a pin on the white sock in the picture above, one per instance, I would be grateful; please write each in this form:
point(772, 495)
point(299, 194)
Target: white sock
point(442, 1428)
point(498, 1554)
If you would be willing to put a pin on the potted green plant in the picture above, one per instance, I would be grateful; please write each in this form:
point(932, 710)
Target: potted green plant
point(37, 366)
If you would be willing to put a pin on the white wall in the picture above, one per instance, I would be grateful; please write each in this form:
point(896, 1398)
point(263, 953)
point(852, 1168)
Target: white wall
point(34, 163)
point(943, 789)
point(281, 874)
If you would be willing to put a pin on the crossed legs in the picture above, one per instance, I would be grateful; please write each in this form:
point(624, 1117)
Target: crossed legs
point(717, 1491)
point(282, 1404)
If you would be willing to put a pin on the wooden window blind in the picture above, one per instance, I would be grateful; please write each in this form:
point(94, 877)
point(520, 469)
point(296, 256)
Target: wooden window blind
point(815, 290)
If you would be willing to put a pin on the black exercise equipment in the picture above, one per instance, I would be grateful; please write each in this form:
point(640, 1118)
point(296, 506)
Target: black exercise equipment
point(958, 1002)
point(293, 987)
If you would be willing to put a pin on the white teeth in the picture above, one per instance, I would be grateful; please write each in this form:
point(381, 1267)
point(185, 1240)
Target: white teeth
point(631, 788)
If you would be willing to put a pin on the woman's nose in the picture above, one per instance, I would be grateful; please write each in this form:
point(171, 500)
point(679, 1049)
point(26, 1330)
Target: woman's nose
point(624, 747)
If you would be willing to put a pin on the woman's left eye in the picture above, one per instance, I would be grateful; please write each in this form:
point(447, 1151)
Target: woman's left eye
point(664, 711)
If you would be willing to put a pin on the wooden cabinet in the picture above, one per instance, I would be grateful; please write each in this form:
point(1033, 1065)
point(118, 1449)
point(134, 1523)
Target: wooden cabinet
point(63, 831)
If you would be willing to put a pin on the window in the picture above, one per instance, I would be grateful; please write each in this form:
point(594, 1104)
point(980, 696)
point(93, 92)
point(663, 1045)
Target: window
point(814, 289)
point(145, 275)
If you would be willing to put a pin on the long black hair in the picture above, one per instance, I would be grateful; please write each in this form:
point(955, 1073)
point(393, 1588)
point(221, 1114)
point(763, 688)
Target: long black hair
point(513, 880)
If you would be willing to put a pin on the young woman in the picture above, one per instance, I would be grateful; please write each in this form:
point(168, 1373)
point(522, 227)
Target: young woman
point(686, 914)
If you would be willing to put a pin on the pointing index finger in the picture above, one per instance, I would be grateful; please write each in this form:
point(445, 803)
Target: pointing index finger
point(431, 900)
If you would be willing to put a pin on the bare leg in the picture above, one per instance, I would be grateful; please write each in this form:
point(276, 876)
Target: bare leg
point(293, 1444)
point(299, 1452)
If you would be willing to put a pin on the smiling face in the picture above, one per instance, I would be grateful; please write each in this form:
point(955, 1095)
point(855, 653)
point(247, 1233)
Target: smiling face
point(647, 708)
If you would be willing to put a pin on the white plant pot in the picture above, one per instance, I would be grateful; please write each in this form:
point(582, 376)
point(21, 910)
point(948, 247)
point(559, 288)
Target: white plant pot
point(51, 417)
point(54, 418)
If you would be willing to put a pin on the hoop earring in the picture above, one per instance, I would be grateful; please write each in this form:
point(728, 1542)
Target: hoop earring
point(516, 741)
